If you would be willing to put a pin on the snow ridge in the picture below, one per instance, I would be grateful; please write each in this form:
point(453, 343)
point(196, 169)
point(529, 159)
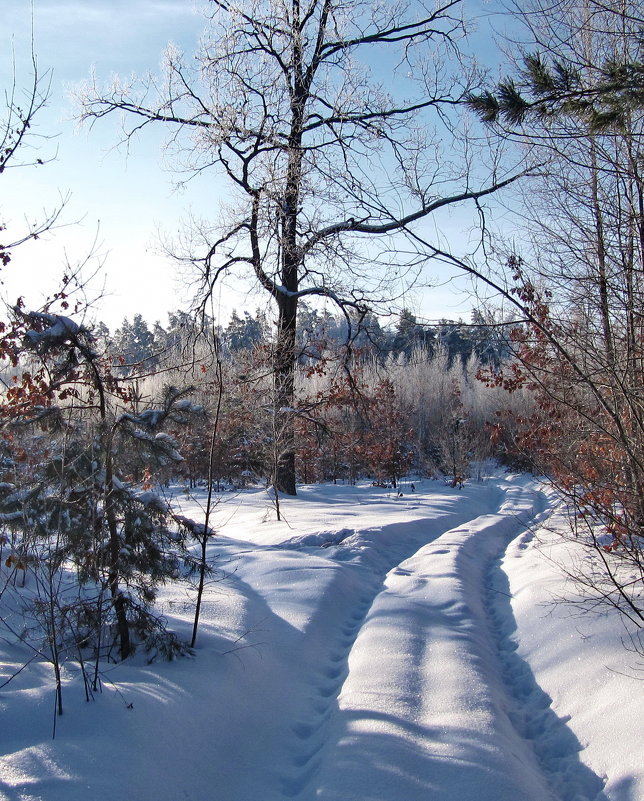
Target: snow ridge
point(556, 747)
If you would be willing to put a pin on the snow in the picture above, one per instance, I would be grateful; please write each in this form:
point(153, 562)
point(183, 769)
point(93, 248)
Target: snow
point(60, 329)
point(368, 647)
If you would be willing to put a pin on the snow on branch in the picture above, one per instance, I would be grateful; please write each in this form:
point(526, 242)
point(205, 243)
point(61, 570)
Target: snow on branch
point(197, 530)
point(52, 330)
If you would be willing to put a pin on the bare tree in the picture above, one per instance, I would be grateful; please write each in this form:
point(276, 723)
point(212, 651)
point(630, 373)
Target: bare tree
point(19, 147)
point(579, 277)
point(324, 164)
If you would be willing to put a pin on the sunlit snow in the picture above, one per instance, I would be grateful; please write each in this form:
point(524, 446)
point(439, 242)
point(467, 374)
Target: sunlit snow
point(369, 647)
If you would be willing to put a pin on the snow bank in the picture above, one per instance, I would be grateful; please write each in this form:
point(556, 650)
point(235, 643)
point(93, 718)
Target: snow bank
point(581, 661)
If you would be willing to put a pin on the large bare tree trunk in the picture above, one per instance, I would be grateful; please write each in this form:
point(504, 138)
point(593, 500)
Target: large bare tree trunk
point(284, 376)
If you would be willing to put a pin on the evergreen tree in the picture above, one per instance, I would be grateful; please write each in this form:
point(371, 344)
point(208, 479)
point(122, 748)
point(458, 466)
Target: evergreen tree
point(123, 342)
point(455, 338)
point(67, 501)
point(367, 334)
point(411, 335)
point(546, 88)
point(102, 337)
point(143, 338)
point(135, 346)
point(244, 332)
point(490, 339)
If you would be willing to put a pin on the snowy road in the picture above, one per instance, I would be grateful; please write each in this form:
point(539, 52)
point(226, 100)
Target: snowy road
point(412, 703)
point(422, 701)
point(424, 705)
point(363, 650)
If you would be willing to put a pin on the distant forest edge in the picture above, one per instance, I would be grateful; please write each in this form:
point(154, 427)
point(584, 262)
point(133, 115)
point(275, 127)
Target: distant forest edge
point(374, 401)
point(140, 346)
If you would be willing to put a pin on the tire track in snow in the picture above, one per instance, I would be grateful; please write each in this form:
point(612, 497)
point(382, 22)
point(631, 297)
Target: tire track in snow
point(555, 746)
point(311, 732)
point(393, 713)
point(430, 718)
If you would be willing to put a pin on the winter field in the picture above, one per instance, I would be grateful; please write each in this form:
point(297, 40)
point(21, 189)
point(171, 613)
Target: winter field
point(367, 647)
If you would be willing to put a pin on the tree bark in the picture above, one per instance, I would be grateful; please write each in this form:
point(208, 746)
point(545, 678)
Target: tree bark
point(284, 376)
point(291, 264)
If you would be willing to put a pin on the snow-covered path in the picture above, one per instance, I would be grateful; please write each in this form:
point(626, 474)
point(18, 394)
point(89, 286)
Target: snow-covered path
point(363, 650)
point(424, 702)
point(412, 702)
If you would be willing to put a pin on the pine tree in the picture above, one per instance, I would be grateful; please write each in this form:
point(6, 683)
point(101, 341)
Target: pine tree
point(66, 500)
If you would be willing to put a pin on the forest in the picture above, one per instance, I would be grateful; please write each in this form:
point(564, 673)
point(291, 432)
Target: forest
point(407, 400)
point(336, 179)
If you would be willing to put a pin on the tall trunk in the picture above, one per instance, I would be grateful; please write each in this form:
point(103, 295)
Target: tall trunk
point(285, 353)
point(284, 373)
point(285, 357)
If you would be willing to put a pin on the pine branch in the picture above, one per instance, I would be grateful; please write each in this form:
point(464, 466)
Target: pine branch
point(558, 90)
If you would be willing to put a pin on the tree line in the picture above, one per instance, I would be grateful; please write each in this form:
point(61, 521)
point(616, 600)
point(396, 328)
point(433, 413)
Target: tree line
point(138, 347)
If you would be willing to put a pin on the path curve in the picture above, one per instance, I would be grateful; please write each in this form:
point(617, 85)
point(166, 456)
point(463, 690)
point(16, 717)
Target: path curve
point(420, 686)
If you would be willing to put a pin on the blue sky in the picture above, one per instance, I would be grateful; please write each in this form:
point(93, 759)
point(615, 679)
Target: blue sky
point(126, 197)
